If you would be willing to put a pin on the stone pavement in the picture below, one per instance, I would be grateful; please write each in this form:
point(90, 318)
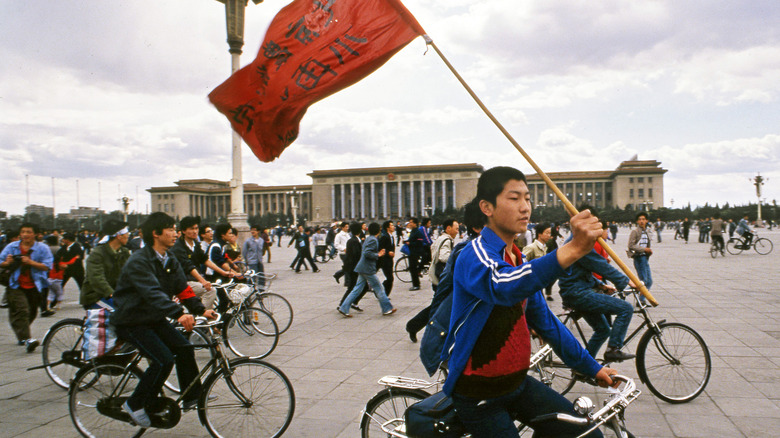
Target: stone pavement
point(334, 363)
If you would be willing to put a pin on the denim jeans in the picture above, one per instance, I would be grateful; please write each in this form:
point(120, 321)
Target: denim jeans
point(642, 266)
point(494, 418)
point(163, 345)
point(594, 308)
point(376, 285)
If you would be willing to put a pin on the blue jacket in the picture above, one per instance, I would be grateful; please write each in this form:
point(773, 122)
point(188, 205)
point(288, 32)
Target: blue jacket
point(579, 279)
point(482, 280)
point(40, 253)
point(432, 342)
point(369, 256)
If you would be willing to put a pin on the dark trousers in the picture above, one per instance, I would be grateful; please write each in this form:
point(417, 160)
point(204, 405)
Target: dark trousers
point(387, 270)
point(164, 346)
point(77, 275)
point(414, 269)
point(22, 310)
point(491, 418)
point(304, 254)
point(419, 321)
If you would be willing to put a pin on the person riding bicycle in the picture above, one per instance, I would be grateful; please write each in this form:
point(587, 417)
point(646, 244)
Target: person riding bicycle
point(582, 291)
point(718, 228)
point(143, 300)
point(496, 300)
point(743, 229)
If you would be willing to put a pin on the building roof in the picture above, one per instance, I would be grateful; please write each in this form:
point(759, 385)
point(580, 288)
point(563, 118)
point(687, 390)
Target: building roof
point(466, 167)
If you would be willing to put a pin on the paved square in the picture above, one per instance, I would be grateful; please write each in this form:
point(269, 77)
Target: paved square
point(334, 363)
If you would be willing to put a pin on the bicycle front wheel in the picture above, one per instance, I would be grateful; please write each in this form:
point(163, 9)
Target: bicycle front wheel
point(251, 332)
point(104, 384)
point(385, 411)
point(763, 246)
point(674, 363)
point(551, 370)
point(714, 251)
point(255, 399)
point(401, 270)
point(279, 308)
point(63, 338)
point(734, 246)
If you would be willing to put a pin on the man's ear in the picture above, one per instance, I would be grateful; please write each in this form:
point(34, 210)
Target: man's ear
point(486, 208)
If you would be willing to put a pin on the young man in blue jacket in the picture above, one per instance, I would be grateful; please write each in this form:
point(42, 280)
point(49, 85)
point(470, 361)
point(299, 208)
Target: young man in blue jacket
point(496, 299)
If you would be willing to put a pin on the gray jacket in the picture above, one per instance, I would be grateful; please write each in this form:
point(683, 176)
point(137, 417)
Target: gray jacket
point(368, 256)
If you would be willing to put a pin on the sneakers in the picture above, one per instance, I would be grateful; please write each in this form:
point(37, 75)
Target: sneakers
point(390, 312)
point(345, 315)
point(412, 335)
point(615, 355)
point(46, 313)
point(189, 405)
point(139, 417)
point(414, 288)
point(32, 344)
point(356, 308)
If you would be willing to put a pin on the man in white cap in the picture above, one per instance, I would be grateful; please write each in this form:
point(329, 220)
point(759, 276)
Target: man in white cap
point(104, 264)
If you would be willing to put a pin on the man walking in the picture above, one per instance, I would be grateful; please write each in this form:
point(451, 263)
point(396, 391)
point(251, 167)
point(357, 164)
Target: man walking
point(639, 246)
point(416, 243)
point(31, 262)
point(366, 269)
point(387, 242)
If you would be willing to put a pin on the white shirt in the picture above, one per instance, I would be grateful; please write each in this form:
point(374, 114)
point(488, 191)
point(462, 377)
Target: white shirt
point(340, 241)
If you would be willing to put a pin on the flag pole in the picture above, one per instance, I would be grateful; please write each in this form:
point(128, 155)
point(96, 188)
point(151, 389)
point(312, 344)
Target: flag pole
point(568, 205)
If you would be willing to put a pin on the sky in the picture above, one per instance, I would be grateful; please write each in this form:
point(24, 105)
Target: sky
point(100, 100)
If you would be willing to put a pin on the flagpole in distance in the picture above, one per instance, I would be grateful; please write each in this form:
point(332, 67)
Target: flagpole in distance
point(568, 205)
point(234, 17)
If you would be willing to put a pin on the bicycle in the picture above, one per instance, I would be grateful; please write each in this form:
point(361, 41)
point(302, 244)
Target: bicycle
point(273, 303)
point(401, 269)
point(762, 245)
point(716, 249)
point(324, 253)
point(383, 415)
point(240, 397)
point(672, 359)
point(248, 331)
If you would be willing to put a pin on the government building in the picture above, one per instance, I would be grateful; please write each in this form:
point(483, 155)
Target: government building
point(381, 193)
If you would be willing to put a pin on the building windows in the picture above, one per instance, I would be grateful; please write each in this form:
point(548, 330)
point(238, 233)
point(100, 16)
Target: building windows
point(630, 193)
point(640, 179)
point(641, 193)
point(649, 179)
point(631, 179)
point(649, 193)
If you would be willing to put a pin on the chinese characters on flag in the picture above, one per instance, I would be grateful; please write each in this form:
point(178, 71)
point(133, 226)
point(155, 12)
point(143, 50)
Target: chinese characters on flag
point(312, 49)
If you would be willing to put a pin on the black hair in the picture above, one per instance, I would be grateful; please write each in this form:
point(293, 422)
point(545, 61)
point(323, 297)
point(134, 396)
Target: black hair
point(221, 230)
point(447, 223)
point(640, 214)
point(35, 227)
point(414, 220)
point(202, 230)
point(189, 221)
point(492, 182)
point(541, 227)
point(386, 225)
point(355, 228)
point(156, 223)
point(373, 228)
point(473, 218)
point(256, 227)
point(593, 210)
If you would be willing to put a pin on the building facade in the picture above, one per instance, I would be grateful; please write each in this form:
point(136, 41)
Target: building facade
point(382, 193)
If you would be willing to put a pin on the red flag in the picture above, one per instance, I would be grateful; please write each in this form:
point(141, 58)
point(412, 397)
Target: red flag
point(312, 49)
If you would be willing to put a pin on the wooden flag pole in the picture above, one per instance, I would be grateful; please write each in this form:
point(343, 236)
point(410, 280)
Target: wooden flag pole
point(568, 205)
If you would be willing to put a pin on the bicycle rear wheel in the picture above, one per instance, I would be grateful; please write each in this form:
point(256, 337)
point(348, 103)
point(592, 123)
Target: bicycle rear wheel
point(763, 246)
point(675, 363)
point(401, 270)
point(714, 251)
point(386, 409)
point(255, 399)
point(734, 246)
point(251, 332)
point(63, 338)
point(279, 308)
point(94, 384)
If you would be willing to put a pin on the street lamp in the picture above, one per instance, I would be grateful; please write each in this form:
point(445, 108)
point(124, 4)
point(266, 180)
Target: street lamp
point(125, 204)
point(293, 193)
point(234, 17)
point(758, 181)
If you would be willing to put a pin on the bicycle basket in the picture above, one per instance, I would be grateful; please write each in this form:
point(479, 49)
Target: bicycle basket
point(239, 293)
